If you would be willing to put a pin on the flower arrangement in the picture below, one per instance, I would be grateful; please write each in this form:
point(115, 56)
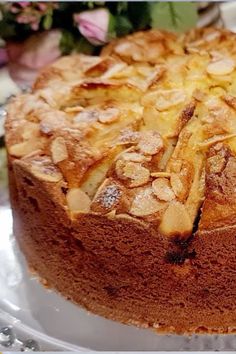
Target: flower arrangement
point(37, 33)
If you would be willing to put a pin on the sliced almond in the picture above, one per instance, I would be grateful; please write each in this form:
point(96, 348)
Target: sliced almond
point(161, 174)
point(114, 71)
point(108, 197)
point(162, 100)
point(78, 201)
point(135, 157)
point(31, 130)
point(46, 173)
point(132, 171)
point(216, 55)
point(109, 115)
point(176, 221)
point(74, 109)
point(177, 185)
point(24, 148)
point(128, 136)
point(87, 116)
point(155, 76)
point(162, 189)
point(145, 203)
point(223, 66)
point(230, 100)
point(119, 168)
point(123, 48)
point(150, 143)
point(59, 150)
point(50, 123)
point(138, 174)
point(199, 95)
point(208, 119)
point(211, 36)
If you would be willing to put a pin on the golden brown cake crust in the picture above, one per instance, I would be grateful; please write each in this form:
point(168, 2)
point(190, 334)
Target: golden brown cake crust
point(122, 179)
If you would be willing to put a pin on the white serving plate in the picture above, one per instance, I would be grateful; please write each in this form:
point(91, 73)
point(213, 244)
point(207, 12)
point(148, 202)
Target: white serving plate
point(56, 324)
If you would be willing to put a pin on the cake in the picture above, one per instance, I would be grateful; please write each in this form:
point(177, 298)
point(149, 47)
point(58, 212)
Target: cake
point(122, 173)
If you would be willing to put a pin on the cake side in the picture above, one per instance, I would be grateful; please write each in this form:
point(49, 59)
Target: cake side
point(124, 270)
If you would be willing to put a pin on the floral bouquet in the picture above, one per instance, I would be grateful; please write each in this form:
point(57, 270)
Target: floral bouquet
point(34, 34)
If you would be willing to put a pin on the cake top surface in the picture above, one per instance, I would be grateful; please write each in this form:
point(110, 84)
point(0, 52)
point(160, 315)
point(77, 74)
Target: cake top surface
point(147, 130)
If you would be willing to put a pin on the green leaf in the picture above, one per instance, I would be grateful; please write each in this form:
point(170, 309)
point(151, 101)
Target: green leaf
point(111, 27)
point(173, 16)
point(123, 25)
point(47, 21)
point(7, 30)
point(122, 6)
point(83, 46)
point(69, 43)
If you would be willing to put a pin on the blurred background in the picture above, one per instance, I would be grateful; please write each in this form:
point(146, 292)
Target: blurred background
point(34, 34)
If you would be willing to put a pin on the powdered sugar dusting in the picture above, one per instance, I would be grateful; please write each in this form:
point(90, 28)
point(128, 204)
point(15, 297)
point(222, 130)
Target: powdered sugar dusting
point(128, 136)
point(110, 196)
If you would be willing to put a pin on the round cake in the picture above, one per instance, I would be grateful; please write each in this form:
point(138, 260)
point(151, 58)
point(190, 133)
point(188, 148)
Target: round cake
point(122, 172)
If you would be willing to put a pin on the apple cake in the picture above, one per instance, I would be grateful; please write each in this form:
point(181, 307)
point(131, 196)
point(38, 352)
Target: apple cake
point(122, 172)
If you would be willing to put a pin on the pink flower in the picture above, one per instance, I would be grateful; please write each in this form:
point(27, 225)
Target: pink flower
point(34, 25)
point(42, 6)
point(38, 51)
point(93, 25)
point(23, 3)
point(3, 56)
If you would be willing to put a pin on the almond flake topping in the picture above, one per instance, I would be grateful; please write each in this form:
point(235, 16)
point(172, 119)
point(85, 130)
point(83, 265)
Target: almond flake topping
point(134, 157)
point(87, 116)
point(164, 99)
point(109, 115)
point(128, 136)
point(138, 174)
point(135, 172)
point(114, 71)
point(123, 48)
point(150, 143)
point(161, 174)
point(230, 100)
point(162, 189)
point(199, 95)
point(145, 203)
point(46, 171)
point(24, 148)
point(223, 66)
point(59, 150)
point(109, 196)
point(74, 109)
